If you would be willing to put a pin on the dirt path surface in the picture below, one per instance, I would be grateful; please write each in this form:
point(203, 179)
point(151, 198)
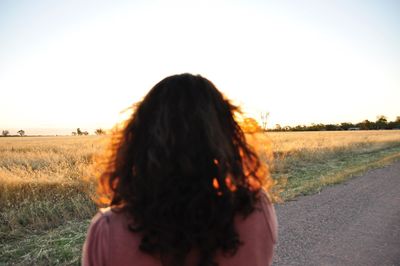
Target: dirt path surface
point(354, 223)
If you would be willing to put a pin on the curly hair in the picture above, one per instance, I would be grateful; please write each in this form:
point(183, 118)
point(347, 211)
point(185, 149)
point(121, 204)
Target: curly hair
point(181, 167)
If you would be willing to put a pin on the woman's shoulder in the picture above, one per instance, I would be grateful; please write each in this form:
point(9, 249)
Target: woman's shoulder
point(110, 241)
point(258, 234)
point(102, 218)
point(108, 234)
point(269, 214)
point(262, 221)
point(95, 251)
point(107, 219)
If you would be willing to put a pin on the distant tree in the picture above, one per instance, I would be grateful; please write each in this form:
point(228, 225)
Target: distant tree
point(100, 131)
point(264, 120)
point(366, 125)
point(391, 125)
point(73, 133)
point(21, 132)
point(331, 127)
point(346, 125)
point(381, 122)
point(316, 127)
point(381, 118)
point(85, 133)
point(395, 123)
point(79, 132)
point(299, 128)
point(5, 133)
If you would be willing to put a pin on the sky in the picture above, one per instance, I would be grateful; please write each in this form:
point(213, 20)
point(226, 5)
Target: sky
point(69, 64)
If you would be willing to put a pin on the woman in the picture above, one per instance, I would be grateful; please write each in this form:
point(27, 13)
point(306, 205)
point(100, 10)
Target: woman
point(184, 186)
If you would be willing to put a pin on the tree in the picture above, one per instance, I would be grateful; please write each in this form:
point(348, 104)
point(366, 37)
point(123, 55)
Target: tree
point(394, 124)
point(73, 133)
point(99, 131)
point(5, 133)
point(381, 122)
point(346, 125)
point(366, 125)
point(79, 131)
point(331, 127)
point(21, 132)
point(85, 133)
point(397, 122)
point(316, 127)
point(264, 119)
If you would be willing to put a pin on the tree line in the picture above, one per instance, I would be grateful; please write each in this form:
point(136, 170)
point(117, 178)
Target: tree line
point(251, 125)
point(6, 133)
point(380, 124)
point(78, 132)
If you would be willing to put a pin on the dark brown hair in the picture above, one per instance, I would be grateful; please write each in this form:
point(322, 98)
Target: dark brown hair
point(181, 167)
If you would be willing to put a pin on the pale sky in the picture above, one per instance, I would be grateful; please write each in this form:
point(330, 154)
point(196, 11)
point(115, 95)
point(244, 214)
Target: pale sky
point(69, 64)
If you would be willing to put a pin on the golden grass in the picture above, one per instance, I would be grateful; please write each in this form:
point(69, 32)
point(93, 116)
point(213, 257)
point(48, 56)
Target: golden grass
point(323, 140)
point(305, 162)
point(46, 183)
point(47, 180)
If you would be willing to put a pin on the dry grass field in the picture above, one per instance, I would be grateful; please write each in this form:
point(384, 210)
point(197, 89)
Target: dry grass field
point(304, 162)
point(45, 180)
point(46, 183)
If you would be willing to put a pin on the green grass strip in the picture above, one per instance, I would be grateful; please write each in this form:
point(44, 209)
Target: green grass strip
point(309, 177)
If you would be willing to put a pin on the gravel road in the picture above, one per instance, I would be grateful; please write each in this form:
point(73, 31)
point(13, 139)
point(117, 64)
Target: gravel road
point(354, 223)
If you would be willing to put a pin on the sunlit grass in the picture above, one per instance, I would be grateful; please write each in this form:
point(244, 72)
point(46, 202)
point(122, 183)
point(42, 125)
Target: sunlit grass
point(305, 162)
point(47, 183)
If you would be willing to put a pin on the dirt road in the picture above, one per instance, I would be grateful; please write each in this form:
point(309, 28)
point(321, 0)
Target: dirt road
point(354, 223)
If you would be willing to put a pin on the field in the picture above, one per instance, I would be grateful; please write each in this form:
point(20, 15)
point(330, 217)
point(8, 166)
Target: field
point(47, 183)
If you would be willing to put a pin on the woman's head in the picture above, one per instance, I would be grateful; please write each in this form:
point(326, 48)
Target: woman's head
point(182, 169)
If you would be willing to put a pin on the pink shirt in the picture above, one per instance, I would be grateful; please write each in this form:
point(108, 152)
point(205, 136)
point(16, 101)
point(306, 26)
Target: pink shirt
point(109, 241)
